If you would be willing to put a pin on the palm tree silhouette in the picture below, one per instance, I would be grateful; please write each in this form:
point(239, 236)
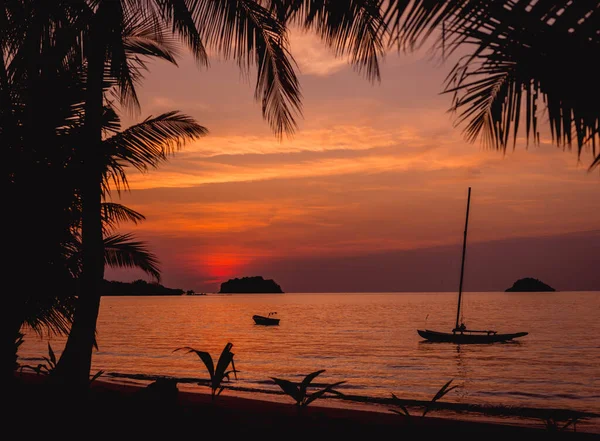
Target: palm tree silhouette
point(138, 146)
point(525, 57)
point(103, 45)
point(243, 30)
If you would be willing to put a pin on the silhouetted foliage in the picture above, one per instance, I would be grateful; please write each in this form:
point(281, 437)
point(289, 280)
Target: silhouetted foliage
point(50, 364)
point(440, 393)
point(520, 63)
point(299, 391)
point(217, 373)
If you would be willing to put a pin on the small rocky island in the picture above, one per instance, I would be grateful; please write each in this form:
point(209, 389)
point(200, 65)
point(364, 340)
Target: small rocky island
point(529, 284)
point(250, 285)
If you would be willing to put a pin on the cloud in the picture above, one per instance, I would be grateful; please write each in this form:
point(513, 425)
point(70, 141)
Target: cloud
point(313, 56)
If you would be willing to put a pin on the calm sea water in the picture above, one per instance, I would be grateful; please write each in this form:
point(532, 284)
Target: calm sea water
point(369, 340)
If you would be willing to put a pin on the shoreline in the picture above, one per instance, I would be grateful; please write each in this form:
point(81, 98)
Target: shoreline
point(136, 408)
point(507, 415)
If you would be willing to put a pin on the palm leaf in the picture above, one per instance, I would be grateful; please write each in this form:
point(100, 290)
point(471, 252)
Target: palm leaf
point(179, 15)
point(145, 35)
point(113, 214)
point(353, 28)
point(148, 143)
point(53, 315)
point(519, 43)
point(121, 251)
point(247, 32)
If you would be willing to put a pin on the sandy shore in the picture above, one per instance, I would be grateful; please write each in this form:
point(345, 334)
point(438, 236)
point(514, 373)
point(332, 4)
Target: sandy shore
point(123, 411)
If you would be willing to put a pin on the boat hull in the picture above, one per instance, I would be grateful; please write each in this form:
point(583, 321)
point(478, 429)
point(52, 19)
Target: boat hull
point(266, 321)
point(466, 338)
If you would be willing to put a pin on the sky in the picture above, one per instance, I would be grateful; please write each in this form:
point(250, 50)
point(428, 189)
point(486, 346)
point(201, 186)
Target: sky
point(369, 194)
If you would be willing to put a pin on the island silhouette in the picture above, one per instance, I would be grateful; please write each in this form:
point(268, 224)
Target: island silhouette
point(250, 285)
point(529, 284)
point(138, 288)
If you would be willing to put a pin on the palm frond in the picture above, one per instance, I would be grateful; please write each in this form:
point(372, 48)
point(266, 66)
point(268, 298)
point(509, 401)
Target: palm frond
point(247, 32)
point(178, 14)
point(53, 315)
point(527, 50)
point(121, 251)
point(411, 23)
point(113, 214)
point(148, 143)
point(353, 28)
point(146, 35)
point(133, 34)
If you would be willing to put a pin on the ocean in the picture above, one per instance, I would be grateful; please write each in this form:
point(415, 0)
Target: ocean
point(367, 340)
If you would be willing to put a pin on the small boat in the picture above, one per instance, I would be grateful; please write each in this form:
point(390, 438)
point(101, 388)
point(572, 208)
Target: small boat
point(267, 321)
point(460, 334)
point(468, 336)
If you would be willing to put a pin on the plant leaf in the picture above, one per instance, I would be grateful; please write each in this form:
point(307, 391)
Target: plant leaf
point(404, 412)
point(225, 359)
point(322, 392)
point(204, 356)
point(443, 391)
point(308, 379)
point(289, 388)
point(52, 356)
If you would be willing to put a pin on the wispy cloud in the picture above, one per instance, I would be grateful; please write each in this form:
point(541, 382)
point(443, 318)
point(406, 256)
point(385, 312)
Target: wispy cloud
point(313, 56)
point(204, 172)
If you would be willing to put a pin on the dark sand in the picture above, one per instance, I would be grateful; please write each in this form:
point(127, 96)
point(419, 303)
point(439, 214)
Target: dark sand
point(118, 411)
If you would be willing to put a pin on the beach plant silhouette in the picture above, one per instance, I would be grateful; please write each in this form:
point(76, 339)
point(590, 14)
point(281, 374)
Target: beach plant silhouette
point(299, 391)
point(43, 368)
point(404, 410)
point(217, 373)
point(18, 342)
point(555, 425)
point(50, 364)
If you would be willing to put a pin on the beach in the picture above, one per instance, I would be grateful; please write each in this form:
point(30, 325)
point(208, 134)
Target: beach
point(112, 410)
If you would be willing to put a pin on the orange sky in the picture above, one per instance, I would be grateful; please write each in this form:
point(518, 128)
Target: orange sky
point(369, 194)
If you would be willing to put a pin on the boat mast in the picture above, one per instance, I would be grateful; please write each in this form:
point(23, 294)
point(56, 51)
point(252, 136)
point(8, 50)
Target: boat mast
point(462, 266)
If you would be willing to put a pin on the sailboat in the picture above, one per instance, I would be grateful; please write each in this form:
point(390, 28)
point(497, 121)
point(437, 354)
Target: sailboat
point(461, 334)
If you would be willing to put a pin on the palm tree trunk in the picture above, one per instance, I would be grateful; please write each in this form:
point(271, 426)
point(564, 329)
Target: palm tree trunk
point(10, 316)
point(73, 368)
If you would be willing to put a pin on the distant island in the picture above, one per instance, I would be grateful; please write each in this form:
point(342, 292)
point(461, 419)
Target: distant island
point(529, 284)
point(250, 285)
point(138, 288)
